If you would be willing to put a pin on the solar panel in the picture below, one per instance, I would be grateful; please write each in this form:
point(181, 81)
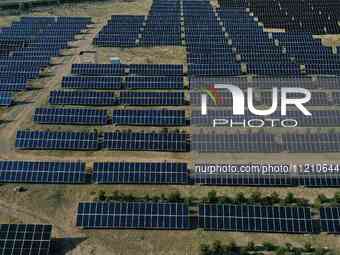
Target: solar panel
point(25, 239)
point(149, 117)
point(6, 98)
point(92, 82)
point(151, 98)
point(48, 140)
point(253, 218)
point(330, 219)
point(234, 143)
point(98, 69)
point(42, 172)
point(132, 215)
point(140, 173)
point(80, 116)
point(154, 82)
point(95, 98)
point(156, 70)
point(172, 142)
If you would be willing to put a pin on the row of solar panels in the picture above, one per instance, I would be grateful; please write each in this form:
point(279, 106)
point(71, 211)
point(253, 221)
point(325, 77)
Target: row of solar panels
point(125, 69)
point(96, 98)
point(176, 142)
point(201, 83)
point(295, 16)
point(92, 141)
point(25, 239)
point(265, 142)
point(158, 173)
point(28, 45)
point(217, 217)
point(319, 118)
point(83, 116)
point(266, 98)
point(121, 83)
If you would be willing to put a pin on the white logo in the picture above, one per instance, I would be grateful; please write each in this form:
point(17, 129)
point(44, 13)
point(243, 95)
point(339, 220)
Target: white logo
point(239, 104)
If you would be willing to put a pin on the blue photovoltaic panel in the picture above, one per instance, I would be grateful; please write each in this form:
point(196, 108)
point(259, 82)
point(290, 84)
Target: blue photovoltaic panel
point(6, 98)
point(48, 140)
point(92, 82)
point(330, 219)
point(155, 82)
point(80, 116)
point(98, 69)
point(149, 117)
point(155, 70)
point(172, 142)
point(25, 239)
point(94, 98)
point(255, 218)
point(133, 215)
point(140, 173)
point(151, 98)
point(42, 172)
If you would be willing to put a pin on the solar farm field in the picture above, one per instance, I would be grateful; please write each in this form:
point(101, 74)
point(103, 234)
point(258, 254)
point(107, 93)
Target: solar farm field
point(75, 128)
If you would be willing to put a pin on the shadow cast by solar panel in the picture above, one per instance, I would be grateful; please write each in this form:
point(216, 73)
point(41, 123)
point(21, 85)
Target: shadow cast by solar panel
point(62, 246)
point(17, 103)
point(5, 122)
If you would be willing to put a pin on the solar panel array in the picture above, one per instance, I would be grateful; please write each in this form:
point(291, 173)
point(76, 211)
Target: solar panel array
point(133, 215)
point(325, 82)
point(235, 143)
point(330, 219)
point(140, 173)
point(211, 142)
point(317, 17)
point(163, 24)
point(253, 218)
point(152, 98)
point(149, 117)
point(292, 179)
point(70, 116)
point(25, 239)
point(253, 45)
point(27, 47)
point(42, 172)
point(208, 52)
point(171, 142)
point(49, 140)
point(120, 31)
point(319, 118)
point(91, 141)
point(305, 50)
point(85, 97)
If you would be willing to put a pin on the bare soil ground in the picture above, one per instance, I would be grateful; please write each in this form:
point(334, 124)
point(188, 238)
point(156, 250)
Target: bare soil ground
point(57, 204)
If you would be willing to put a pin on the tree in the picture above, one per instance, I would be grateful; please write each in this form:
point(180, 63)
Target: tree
point(281, 251)
point(101, 195)
point(268, 246)
point(217, 248)
point(256, 197)
point(250, 246)
point(212, 196)
point(275, 198)
point(290, 198)
point(116, 196)
point(308, 247)
point(205, 249)
point(240, 198)
point(323, 199)
point(174, 197)
point(337, 197)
